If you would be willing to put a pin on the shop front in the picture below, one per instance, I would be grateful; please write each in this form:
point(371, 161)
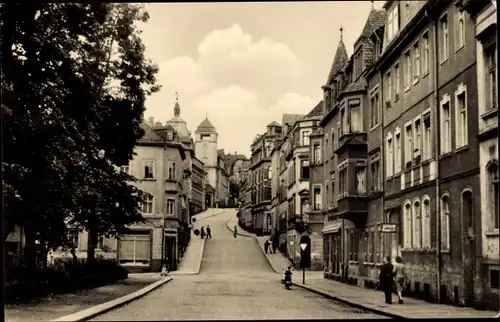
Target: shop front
point(332, 243)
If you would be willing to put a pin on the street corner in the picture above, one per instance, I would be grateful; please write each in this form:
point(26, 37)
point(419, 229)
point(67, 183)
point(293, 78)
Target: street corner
point(111, 305)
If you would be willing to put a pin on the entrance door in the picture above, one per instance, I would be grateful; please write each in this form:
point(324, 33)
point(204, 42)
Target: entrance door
point(394, 242)
point(468, 246)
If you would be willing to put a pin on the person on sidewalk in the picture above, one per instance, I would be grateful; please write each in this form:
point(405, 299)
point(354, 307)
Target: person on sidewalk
point(202, 232)
point(400, 274)
point(235, 231)
point(387, 279)
point(209, 232)
point(266, 246)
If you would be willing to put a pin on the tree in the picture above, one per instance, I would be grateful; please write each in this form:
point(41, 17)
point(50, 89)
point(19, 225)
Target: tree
point(60, 112)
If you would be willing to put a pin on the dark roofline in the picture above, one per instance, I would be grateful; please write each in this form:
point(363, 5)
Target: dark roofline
point(142, 142)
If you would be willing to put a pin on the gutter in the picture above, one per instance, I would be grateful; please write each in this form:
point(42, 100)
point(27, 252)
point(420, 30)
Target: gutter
point(437, 148)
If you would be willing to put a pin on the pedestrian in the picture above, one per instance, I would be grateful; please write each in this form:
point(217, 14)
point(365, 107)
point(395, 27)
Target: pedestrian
point(235, 231)
point(386, 279)
point(266, 246)
point(275, 247)
point(202, 232)
point(209, 232)
point(401, 278)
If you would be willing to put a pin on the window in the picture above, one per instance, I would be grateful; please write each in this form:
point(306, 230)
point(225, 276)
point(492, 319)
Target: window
point(408, 145)
point(360, 180)
point(305, 138)
point(125, 169)
point(100, 242)
point(392, 23)
point(445, 39)
point(467, 209)
point(426, 223)
point(445, 125)
point(408, 75)
point(375, 110)
point(445, 222)
point(317, 197)
point(461, 131)
point(205, 137)
point(427, 139)
point(417, 141)
point(343, 187)
point(343, 123)
point(460, 29)
point(375, 174)
point(490, 54)
point(355, 117)
point(334, 145)
point(396, 81)
point(304, 165)
point(417, 225)
point(372, 247)
point(317, 154)
point(389, 157)
point(171, 171)
point(170, 206)
point(494, 278)
point(389, 86)
point(416, 62)
point(493, 194)
point(170, 136)
point(334, 197)
point(397, 154)
point(425, 53)
point(407, 225)
point(269, 172)
point(353, 243)
point(149, 169)
point(147, 206)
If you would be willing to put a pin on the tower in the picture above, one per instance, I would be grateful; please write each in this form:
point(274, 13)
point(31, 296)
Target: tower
point(205, 149)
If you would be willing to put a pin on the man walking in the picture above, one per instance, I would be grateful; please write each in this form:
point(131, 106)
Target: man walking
point(387, 279)
point(202, 232)
point(209, 232)
point(266, 246)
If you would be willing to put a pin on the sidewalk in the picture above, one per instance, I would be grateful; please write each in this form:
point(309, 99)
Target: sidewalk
point(51, 307)
point(360, 297)
point(210, 212)
point(277, 261)
point(191, 262)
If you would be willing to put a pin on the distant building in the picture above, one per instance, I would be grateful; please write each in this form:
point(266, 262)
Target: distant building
point(199, 182)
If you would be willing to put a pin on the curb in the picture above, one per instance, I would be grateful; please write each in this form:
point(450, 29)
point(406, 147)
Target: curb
point(237, 233)
point(113, 304)
point(356, 305)
point(209, 216)
point(201, 257)
point(267, 257)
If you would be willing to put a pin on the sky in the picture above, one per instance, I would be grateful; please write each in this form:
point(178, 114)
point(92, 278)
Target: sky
point(245, 64)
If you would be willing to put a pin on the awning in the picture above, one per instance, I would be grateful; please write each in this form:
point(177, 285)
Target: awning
point(332, 228)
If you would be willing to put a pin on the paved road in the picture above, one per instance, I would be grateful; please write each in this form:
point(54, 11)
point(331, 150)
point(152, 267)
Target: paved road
point(235, 282)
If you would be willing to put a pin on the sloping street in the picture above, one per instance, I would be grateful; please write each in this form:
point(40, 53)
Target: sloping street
point(235, 282)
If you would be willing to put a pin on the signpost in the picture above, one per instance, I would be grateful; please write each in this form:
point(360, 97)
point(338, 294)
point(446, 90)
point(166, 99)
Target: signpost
point(389, 228)
point(303, 247)
point(305, 255)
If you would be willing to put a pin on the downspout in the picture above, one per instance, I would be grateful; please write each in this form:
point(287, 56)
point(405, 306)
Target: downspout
point(437, 148)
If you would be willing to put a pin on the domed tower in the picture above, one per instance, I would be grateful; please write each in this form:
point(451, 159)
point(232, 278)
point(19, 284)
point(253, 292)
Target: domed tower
point(179, 124)
point(205, 149)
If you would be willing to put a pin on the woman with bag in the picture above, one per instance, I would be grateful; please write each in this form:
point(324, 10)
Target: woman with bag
point(400, 276)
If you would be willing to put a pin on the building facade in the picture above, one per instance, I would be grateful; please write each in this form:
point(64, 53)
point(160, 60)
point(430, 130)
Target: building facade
point(484, 16)
point(198, 181)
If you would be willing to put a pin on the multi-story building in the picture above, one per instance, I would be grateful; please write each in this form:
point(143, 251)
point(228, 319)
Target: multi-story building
point(260, 169)
point(217, 188)
point(198, 181)
point(484, 14)
point(402, 109)
point(235, 165)
point(277, 224)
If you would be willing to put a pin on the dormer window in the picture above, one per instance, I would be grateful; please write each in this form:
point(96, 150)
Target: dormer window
point(392, 26)
point(170, 136)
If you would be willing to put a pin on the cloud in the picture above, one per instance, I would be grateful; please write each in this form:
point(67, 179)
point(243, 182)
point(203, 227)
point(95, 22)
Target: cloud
point(242, 83)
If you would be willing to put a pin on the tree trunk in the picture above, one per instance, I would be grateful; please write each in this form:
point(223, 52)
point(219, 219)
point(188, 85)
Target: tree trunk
point(91, 244)
point(29, 250)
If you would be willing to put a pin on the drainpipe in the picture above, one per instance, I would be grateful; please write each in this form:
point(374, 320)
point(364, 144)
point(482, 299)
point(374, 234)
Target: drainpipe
point(435, 125)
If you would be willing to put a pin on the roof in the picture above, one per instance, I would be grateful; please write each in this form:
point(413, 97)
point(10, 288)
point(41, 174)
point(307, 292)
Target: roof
point(149, 134)
point(316, 111)
point(230, 159)
point(205, 127)
point(291, 119)
point(339, 61)
point(274, 123)
point(376, 18)
point(360, 85)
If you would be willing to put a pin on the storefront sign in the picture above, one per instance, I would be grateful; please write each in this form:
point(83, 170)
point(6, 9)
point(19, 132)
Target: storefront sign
point(388, 228)
point(332, 227)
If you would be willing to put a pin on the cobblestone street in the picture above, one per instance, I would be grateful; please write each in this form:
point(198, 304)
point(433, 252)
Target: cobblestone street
point(235, 281)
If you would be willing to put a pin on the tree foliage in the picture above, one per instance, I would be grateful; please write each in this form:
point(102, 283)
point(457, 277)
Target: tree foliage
point(74, 84)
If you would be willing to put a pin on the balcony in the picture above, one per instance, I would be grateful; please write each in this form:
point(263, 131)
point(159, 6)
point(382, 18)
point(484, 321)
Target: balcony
point(353, 204)
point(172, 186)
point(353, 140)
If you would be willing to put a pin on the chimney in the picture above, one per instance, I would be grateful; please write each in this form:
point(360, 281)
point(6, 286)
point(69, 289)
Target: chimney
point(152, 120)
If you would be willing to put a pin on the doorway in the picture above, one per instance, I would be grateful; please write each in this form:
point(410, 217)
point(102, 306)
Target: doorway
point(467, 207)
point(395, 238)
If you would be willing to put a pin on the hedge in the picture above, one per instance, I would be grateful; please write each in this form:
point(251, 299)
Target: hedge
point(63, 277)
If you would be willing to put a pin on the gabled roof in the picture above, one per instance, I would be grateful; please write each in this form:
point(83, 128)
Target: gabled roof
point(316, 111)
point(205, 127)
point(291, 119)
point(375, 19)
point(339, 61)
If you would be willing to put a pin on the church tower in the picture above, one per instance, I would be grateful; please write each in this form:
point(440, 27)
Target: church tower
point(205, 149)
